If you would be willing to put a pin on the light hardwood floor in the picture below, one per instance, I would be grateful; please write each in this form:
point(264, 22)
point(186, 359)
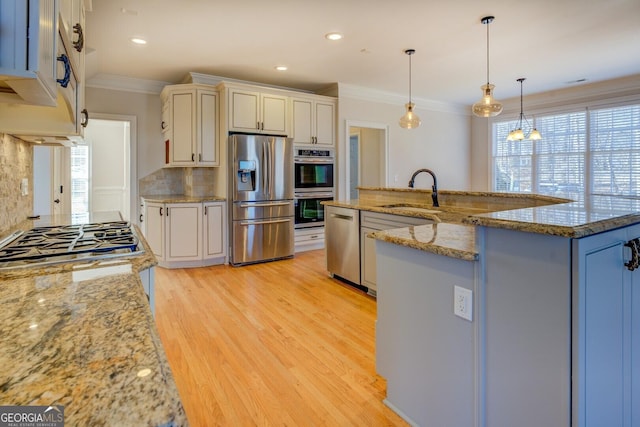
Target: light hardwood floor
point(278, 343)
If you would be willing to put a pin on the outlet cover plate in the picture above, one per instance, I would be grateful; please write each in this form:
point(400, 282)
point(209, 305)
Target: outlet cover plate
point(463, 303)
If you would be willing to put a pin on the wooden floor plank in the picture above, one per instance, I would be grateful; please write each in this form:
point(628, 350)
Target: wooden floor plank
point(278, 343)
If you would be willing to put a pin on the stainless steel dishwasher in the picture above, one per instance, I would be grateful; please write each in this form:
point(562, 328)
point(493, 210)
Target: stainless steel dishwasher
point(342, 242)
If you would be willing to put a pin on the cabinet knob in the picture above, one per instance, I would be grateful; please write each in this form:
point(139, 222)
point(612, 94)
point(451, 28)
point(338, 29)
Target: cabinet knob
point(64, 82)
point(78, 44)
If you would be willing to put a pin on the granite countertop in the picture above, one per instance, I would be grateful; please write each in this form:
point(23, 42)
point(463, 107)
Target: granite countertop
point(82, 335)
point(180, 198)
point(460, 212)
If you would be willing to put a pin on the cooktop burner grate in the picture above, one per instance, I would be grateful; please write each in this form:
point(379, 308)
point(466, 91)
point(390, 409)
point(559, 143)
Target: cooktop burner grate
point(47, 244)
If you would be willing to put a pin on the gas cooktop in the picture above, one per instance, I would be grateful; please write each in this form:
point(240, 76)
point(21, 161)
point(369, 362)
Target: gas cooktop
point(69, 243)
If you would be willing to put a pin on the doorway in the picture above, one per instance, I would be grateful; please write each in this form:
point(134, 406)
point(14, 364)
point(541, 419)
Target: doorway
point(366, 156)
point(95, 176)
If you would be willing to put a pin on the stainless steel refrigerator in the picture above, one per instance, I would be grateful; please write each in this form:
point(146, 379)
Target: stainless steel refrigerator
point(261, 191)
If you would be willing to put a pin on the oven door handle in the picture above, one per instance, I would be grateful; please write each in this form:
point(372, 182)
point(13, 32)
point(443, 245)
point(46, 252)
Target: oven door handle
point(326, 160)
point(317, 195)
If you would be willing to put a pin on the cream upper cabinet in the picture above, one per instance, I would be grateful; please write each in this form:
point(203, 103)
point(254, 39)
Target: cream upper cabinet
point(313, 120)
point(46, 102)
point(190, 125)
point(72, 18)
point(258, 112)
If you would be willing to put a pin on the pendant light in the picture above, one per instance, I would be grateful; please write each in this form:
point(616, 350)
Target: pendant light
point(410, 120)
point(518, 134)
point(487, 106)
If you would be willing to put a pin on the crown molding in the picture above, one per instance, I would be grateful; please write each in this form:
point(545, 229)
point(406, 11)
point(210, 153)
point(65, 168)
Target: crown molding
point(126, 84)
point(375, 95)
point(587, 93)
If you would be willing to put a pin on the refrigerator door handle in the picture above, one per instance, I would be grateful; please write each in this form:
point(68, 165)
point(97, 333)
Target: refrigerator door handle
point(263, 205)
point(275, 221)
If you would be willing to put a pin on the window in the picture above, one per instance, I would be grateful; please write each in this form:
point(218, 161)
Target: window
point(79, 179)
point(584, 155)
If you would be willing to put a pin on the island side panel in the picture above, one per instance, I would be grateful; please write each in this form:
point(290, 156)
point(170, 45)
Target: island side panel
point(528, 328)
point(425, 352)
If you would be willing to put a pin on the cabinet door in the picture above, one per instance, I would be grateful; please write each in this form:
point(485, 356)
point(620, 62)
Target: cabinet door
point(274, 114)
point(325, 132)
point(301, 129)
point(154, 228)
point(244, 111)
point(214, 224)
point(368, 259)
point(606, 331)
point(184, 231)
point(183, 128)
point(207, 129)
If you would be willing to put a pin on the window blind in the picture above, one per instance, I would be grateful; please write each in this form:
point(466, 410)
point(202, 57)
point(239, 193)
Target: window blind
point(591, 156)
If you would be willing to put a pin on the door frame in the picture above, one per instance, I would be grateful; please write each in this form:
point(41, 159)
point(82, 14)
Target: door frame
point(134, 208)
point(345, 190)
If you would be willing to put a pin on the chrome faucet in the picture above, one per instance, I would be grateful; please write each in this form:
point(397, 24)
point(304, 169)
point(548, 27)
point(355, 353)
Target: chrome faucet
point(434, 187)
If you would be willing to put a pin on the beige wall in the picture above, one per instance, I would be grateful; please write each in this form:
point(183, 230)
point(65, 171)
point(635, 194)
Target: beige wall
point(16, 162)
point(441, 143)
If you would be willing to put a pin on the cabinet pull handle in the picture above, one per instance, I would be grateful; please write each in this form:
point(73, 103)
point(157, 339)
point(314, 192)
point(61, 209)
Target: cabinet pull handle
point(141, 218)
point(163, 125)
point(200, 157)
point(193, 157)
point(262, 126)
point(64, 82)
point(167, 211)
point(258, 125)
point(78, 44)
point(85, 121)
point(634, 262)
point(205, 210)
point(161, 211)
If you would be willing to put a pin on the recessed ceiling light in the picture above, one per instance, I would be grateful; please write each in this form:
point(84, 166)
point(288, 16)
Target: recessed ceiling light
point(138, 40)
point(281, 67)
point(333, 36)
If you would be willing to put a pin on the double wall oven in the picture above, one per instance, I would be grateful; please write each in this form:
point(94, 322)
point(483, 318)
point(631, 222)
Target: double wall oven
point(313, 184)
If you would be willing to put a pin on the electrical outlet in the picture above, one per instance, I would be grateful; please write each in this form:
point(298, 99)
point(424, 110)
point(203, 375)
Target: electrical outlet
point(463, 303)
point(24, 186)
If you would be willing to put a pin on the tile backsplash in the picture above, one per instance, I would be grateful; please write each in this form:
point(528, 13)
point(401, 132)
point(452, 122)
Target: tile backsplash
point(196, 182)
point(16, 163)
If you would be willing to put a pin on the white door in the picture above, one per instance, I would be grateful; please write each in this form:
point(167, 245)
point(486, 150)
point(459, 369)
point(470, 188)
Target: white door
point(60, 180)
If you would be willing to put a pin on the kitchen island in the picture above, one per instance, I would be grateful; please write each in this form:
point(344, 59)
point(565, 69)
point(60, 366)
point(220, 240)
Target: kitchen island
point(82, 335)
point(552, 336)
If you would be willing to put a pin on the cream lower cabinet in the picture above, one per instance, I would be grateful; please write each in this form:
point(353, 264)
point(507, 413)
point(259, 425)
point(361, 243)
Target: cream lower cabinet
point(185, 235)
point(183, 232)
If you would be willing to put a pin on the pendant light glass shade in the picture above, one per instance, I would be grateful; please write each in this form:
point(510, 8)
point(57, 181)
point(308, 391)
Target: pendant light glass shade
point(410, 120)
point(487, 106)
point(518, 134)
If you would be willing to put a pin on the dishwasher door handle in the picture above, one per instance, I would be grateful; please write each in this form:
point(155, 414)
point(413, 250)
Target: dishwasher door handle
point(338, 216)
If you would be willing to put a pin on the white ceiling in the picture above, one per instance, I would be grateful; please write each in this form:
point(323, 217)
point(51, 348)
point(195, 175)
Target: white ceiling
point(552, 43)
